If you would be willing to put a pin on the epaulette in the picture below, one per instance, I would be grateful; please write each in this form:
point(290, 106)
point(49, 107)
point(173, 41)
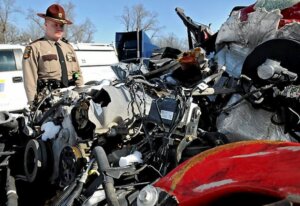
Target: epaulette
point(65, 40)
point(40, 39)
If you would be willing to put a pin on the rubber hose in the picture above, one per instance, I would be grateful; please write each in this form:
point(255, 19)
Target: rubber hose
point(62, 198)
point(68, 197)
point(11, 192)
point(74, 194)
point(108, 183)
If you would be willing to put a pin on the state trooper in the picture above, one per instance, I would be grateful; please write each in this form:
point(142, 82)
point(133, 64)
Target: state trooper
point(50, 59)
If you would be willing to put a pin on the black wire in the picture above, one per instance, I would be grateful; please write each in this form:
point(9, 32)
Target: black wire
point(163, 150)
point(225, 109)
point(179, 114)
point(133, 95)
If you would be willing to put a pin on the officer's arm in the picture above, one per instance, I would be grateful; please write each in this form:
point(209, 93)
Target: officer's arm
point(30, 72)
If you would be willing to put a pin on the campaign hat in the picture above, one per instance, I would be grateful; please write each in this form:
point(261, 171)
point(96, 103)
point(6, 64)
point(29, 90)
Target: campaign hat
point(56, 13)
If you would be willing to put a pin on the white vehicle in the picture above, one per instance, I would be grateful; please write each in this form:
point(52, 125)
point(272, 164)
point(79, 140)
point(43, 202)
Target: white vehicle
point(12, 93)
point(94, 59)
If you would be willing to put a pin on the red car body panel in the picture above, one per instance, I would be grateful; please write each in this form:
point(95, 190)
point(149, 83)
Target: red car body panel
point(289, 15)
point(258, 167)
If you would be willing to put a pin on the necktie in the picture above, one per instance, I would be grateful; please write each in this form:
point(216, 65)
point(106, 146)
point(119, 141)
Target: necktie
point(64, 71)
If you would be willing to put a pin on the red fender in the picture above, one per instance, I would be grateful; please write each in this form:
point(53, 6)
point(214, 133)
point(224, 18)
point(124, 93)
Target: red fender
point(254, 169)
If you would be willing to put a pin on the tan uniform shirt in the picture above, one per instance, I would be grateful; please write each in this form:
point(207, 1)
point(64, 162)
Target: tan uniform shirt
point(41, 61)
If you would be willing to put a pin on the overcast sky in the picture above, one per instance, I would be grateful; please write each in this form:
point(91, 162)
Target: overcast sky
point(104, 14)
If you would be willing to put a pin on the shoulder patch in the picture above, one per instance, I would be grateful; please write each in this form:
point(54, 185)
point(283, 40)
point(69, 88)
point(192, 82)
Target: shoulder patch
point(27, 52)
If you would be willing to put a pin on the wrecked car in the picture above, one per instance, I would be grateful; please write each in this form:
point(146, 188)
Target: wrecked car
point(215, 125)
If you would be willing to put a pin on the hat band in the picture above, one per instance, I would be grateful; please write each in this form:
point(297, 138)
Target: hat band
point(56, 19)
point(58, 16)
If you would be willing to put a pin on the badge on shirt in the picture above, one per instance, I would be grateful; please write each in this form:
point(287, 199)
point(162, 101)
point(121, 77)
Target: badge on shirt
point(27, 52)
point(70, 57)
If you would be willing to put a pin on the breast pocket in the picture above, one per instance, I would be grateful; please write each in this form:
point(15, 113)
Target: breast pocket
point(49, 63)
point(71, 62)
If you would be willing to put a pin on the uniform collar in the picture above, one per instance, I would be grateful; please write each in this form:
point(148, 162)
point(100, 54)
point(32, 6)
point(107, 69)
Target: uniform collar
point(53, 42)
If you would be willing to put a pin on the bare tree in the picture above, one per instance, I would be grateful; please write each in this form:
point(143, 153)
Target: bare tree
point(7, 8)
point(35, 28)
point(13, 35)
point(83, 32)
point(171, 40)
point(125, 18)
point(138, 18)
point(79, 32)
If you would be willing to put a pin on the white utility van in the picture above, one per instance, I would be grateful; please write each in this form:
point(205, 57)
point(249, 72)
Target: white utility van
point(95, 61)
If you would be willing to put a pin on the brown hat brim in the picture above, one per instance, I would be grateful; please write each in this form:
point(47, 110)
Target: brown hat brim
point(63, 21)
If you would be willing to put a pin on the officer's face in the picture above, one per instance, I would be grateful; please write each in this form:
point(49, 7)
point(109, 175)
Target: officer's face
point(54, 30)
